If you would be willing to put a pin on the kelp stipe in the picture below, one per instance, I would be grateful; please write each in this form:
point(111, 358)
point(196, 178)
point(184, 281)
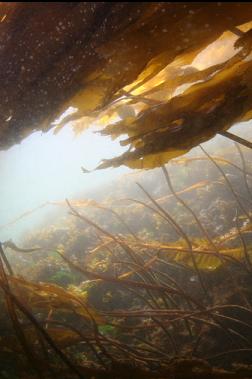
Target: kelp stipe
point(171, 310)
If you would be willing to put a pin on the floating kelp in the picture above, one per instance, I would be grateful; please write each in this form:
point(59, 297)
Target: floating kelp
point(132, 65)
point(146, 283)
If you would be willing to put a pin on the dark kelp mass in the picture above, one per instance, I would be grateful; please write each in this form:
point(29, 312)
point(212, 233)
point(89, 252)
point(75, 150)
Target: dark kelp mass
point(103, 58)
point(150, 278)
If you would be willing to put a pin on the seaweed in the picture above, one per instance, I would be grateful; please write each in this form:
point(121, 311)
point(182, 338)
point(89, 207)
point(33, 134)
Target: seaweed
point(146, 308)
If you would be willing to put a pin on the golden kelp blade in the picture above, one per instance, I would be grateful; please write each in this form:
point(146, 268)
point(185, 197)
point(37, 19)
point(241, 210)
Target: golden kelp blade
point(156, 138)
point(164, 199)
point(137, 56)
point(47, 296)
point(146, 162)
point(63, 337)
point(209, 261)
point(233, 233)
point(205, 258)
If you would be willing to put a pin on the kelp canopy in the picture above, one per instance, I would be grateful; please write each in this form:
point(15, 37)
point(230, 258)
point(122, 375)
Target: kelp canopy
point(164, 76)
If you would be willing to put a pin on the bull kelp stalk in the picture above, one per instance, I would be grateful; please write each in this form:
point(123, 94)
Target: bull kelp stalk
point(205, 232)
point(179, 229)
point(247, 258)
point(244, 167)
point(12, 303)
point(243, 209)
point(219, 322)
point(164, 302)
point(237, 139)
